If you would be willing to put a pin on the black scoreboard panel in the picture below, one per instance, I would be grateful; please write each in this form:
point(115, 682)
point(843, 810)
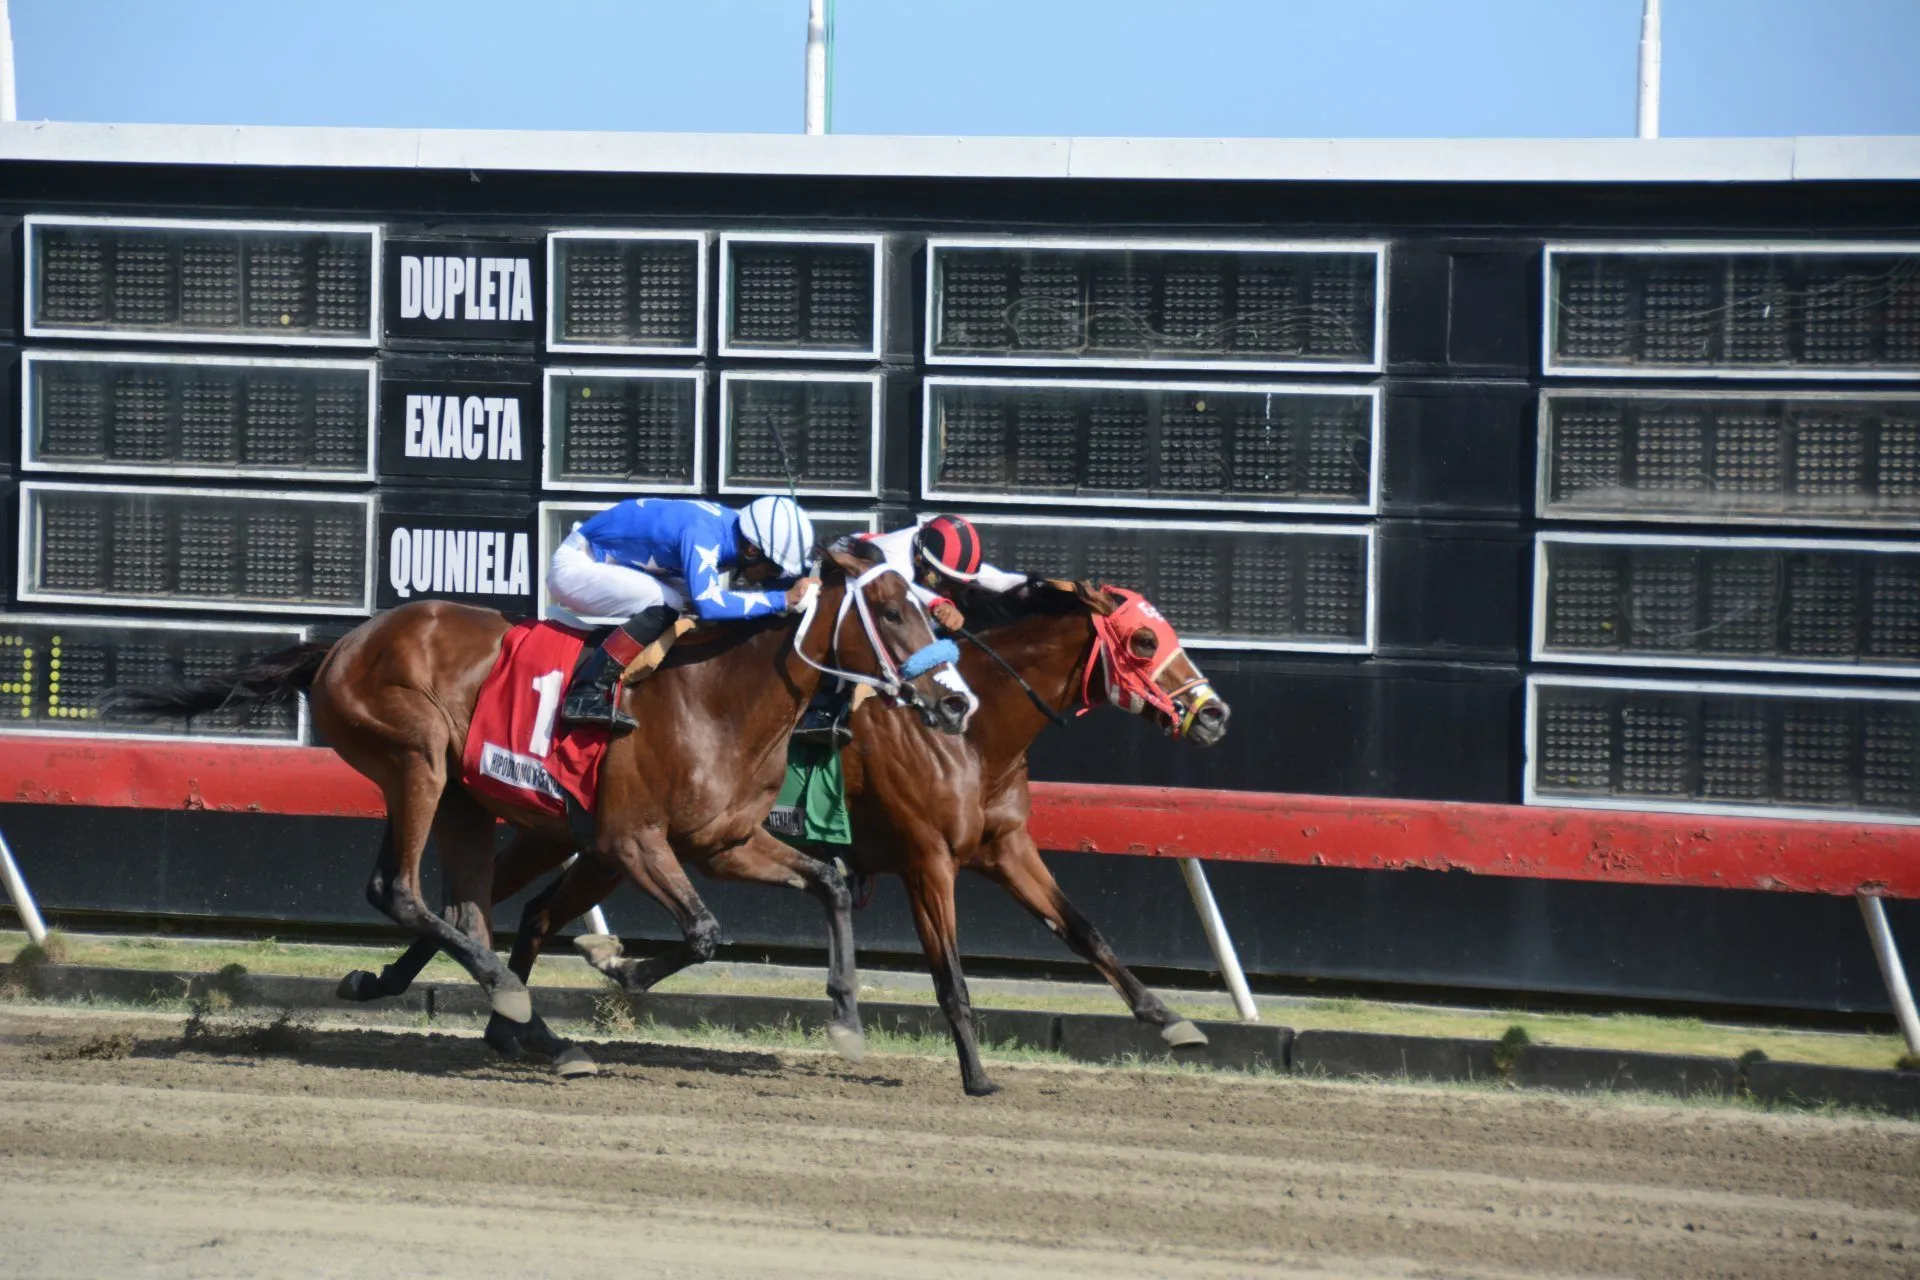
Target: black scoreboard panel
point(1800, 458)
point(819, 432)
point(179, 280)
point(196, 415)
point(1773, 751)
point(1224, 585)
point(1829, 606)
point(623, 430)
point(54, 669)
point(219, 549)
point(627, 292)
point(1142, 303)
point(1754, 310)
point(817, 296)
point(1187, 446)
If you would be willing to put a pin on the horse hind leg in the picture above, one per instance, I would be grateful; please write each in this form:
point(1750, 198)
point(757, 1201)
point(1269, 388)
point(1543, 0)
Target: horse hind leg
point(530, 855)
point(413, 801)
point(1013, 861)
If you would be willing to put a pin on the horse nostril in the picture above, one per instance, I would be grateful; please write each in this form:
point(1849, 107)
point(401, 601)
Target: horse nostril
point(1214, 713)
point(954, 708)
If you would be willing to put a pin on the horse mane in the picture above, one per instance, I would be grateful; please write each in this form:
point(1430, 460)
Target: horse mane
point(1040, 598)
point(851, 544)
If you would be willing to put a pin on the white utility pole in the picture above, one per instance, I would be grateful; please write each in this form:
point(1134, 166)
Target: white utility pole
point(9, 104)
point(817, 121)
point(1648, 114)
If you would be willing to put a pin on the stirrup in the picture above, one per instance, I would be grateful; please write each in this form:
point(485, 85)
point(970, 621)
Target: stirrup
point(590, 704)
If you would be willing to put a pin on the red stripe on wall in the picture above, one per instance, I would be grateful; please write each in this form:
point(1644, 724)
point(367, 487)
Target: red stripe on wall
point(1226, 826)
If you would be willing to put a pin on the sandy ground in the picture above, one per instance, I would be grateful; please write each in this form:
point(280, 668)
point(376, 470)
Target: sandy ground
point(379, 1152)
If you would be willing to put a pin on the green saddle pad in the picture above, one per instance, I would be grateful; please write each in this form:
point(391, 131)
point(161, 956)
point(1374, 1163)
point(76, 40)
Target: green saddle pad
point(813, 802)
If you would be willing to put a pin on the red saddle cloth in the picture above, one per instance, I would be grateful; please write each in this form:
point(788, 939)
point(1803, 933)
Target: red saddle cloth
point(518, 751)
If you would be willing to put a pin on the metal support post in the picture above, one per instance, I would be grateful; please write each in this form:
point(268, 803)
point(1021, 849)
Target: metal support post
point(17, 890)
point(1647, 114)
point(597, 921)
point(1891, 969)
point(1219, 939)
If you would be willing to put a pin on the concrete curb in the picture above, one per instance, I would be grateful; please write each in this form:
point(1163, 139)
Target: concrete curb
point(1096, 1038)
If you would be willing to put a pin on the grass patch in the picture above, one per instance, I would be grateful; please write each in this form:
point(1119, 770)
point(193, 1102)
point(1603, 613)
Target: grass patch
point(53, 949)
point(1623, 1031)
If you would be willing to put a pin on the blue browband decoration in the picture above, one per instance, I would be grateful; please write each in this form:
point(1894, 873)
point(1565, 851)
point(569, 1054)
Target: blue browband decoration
point(930, 657)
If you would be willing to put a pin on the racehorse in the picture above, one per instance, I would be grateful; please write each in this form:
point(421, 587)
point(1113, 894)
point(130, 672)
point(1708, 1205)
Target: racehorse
point(395, 697)
point(923, 806)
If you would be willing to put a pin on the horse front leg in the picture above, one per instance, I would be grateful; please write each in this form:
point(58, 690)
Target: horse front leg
point(1012, 860)
point(930, 890)
point(763, 859)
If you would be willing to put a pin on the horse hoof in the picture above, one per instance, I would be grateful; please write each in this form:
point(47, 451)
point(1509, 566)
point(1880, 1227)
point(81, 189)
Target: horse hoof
point(982, 1088)
point(359, 987)
point(1183, 1035)
point(573, 1063)
point(600, 949)
point(848, 1043)
point(515, 1004)
point(500, 1038)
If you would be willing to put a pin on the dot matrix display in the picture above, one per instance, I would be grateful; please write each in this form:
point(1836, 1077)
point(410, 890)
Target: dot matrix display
point(1268, 587)
point(130, 415)
point(180, 549)
point(627, 292)
point(625, 430)
point(259, 283)
point(1236, 306)
point(1206, 445)
point(825, 427)
point(1854, 754)
point(52, 673)
point(1766, 311)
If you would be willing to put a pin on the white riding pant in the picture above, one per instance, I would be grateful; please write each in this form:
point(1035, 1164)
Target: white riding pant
point(596, 592)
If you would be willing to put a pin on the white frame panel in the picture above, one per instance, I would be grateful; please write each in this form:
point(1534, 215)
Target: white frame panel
point(1372, 393)
point(24, 554)
point(731, 376)
point(29, 462)
point(1529, 769)
point(543, 606)
point(1540, 652)
point(697, 238)
point(373, 230)
point(549, 455)
point(878, 243)
point(301, 633)
point(1550, 323)
point(1543, 464)
point(1377, 248)
point(1363, 531)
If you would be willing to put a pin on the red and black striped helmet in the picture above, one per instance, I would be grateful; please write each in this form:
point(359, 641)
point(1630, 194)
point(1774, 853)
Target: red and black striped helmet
point(951, 545)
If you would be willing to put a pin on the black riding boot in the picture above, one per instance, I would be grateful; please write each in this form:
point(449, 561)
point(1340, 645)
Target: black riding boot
point(594, 695)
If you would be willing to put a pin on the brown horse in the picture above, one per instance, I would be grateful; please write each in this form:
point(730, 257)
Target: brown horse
point(923, 806)
point(395, 698)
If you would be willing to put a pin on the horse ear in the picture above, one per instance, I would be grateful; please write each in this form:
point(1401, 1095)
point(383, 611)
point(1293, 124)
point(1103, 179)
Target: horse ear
point(1096, 597)
point(842, 558)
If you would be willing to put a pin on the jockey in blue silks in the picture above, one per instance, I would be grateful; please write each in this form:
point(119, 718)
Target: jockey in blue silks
point(651, 559)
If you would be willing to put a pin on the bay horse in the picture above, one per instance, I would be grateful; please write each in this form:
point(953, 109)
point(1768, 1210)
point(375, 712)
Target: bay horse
point(923, 806)
point(395, 697)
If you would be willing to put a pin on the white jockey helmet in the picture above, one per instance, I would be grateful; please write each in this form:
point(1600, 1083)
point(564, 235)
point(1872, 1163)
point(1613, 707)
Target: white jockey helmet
point(781, 530)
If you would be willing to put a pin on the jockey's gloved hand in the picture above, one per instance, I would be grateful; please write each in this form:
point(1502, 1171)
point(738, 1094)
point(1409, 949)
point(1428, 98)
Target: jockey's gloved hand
point(948, 615)
point(797, 593)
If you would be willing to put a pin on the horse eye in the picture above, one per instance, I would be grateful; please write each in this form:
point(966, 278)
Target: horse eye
point(890, 613)
point(1144, 642)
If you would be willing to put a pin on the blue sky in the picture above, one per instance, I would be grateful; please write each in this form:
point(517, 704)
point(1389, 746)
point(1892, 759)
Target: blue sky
point(1288, 68)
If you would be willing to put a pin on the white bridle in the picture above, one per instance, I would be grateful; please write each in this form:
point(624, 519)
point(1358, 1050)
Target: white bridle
point(939, 658)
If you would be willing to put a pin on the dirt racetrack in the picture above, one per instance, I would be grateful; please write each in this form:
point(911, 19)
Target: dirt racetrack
point(125, 1153)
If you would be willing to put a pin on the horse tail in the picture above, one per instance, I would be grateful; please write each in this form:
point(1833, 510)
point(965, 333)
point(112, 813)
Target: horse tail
point(268, 681)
